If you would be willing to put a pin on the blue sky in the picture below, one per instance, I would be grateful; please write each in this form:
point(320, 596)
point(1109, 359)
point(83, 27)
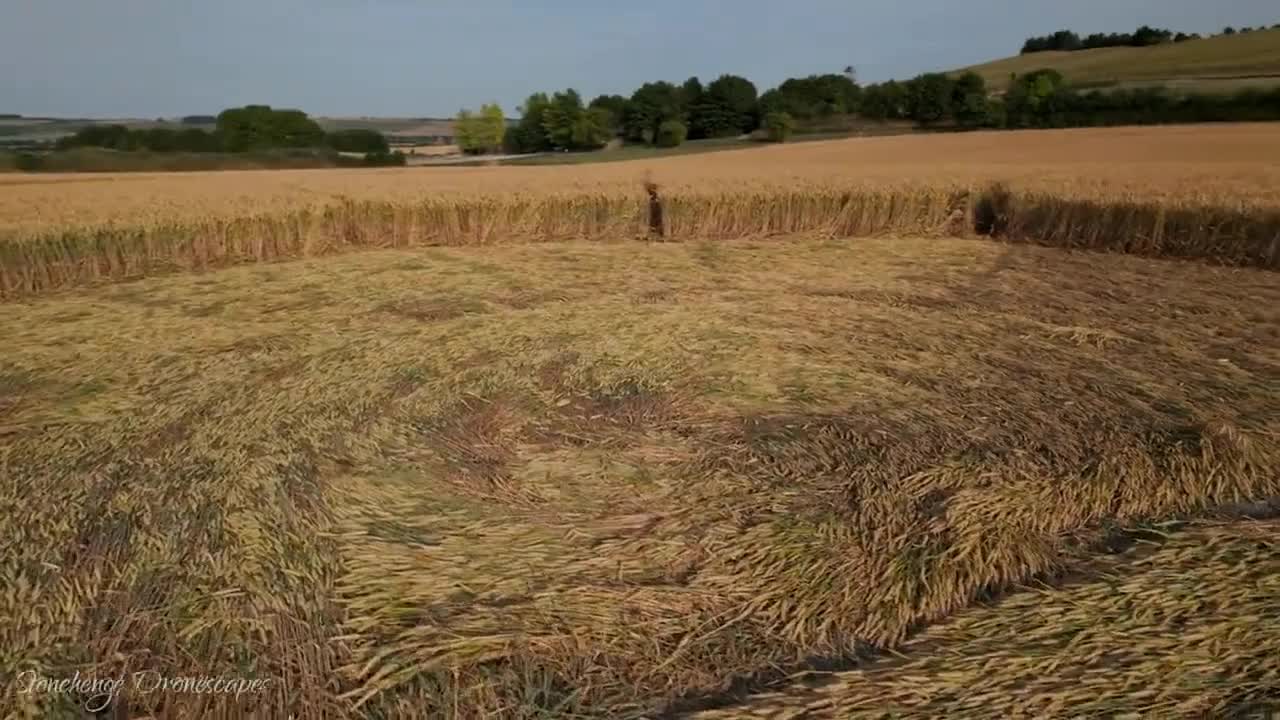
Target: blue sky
point(148, 58)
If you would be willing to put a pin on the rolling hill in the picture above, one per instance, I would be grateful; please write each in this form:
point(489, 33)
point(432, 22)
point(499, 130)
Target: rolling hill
point(1221, 63)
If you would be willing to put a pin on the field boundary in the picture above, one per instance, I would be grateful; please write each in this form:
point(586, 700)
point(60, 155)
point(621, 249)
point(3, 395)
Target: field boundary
point(35, 263)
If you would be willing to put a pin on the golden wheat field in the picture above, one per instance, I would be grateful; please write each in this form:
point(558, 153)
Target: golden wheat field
point(1241, 162)
point(1197, 191)
point(876, 433)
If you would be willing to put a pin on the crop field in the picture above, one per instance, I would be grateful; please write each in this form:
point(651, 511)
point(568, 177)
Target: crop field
point(854, 429)
point(1239, 163)
point(1206, 192)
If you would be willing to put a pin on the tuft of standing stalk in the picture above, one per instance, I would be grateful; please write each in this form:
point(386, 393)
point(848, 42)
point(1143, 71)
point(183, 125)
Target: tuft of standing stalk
point(76, 256)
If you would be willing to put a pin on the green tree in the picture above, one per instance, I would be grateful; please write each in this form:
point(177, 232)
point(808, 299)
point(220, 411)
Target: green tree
point(570, 126)
point(478, 133)
point(494, 123)
point(772, 101)
point(886, 101)
point(739, 95)
point(671, 133)
point(467, 133)
point(729, 106)
point(1034, 99)
point(651, 105)
point(813, 96)
point(197, 140)
point(969, 102)
point(561, 118)
point(158, 139)
point(529, 135)
point(691, 93)
point(779, 125)
point(615, 106)
point(113, 137)
point(259, 127)
point(359, 140)
point(592, 131)
point(930, 98)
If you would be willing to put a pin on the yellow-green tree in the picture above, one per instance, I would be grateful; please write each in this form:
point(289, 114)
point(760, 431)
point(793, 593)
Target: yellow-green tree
point(482, 132)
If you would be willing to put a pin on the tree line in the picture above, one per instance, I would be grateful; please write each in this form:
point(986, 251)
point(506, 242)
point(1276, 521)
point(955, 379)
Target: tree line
point(657, 113)
point(1043, 99)
point(665, 114)
point(1066, 40)
point(252, 128)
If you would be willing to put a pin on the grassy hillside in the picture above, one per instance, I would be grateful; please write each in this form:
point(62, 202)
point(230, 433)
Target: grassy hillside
point(1217, 63)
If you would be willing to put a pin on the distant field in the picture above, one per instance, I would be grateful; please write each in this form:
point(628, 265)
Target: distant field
point(48, 129)
point(1239, 164)
point(1216, 63)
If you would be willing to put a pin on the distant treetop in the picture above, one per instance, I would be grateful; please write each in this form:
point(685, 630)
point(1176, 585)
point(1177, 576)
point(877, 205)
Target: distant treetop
point(1066, 40)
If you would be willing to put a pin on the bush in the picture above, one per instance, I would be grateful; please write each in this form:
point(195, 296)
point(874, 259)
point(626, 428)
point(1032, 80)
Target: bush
point(671, 134)
point(358, 141)
point(260, 127)
point(384, 159)
point(27, 162)
point(779, 126)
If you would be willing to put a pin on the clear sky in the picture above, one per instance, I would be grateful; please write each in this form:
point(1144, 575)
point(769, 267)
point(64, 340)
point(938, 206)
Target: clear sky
point(150, 58)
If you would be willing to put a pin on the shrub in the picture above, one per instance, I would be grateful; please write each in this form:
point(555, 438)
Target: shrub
point(260, 127)
point(358, 141)
point(671, 133)
point(384, 159)
point(779, 126)
point(27, 162)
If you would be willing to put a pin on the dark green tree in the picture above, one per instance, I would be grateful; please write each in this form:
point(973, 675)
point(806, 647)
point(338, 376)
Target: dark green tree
point(691, 94)
point(592, 130)
point(113, 137)
point(885, 101)
point(158, 139)
point(570, 126)
point(359, 141)
point(560, 118)
point(529, 135)
point(197, 140)
point(930, 98)
point(1035, 99)
point(728, 107)
point(651, 105)
point(813, 96)
point(1147, 35)
point(615, 106)
point(969, 103)
point(773, 101)
point(257, 127)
